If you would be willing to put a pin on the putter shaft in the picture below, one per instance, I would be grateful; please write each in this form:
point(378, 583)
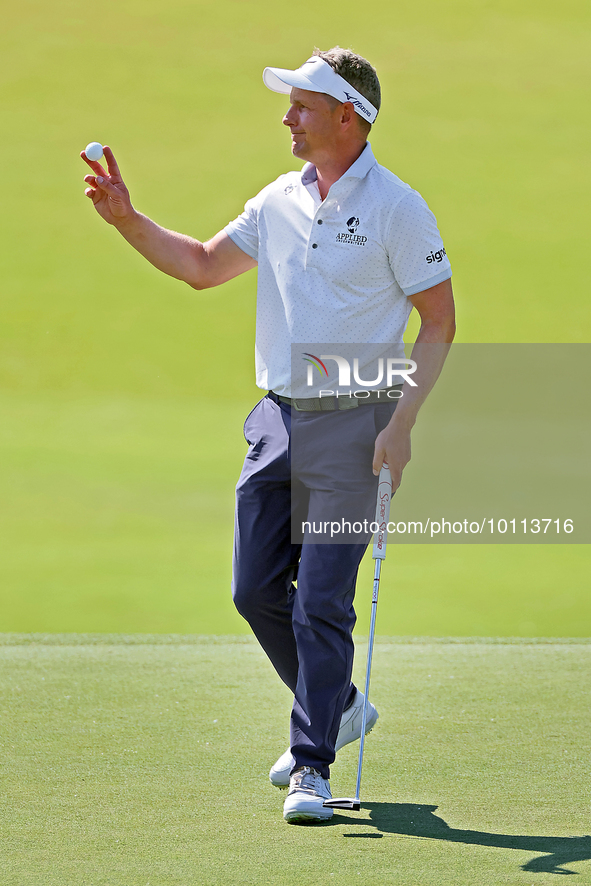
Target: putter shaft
point(379, 554)
point(372, 628)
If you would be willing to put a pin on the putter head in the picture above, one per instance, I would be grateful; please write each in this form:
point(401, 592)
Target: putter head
point(343, 803)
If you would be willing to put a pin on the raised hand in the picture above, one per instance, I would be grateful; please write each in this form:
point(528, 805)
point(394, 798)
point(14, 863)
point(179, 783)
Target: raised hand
point(107, 190)
point(198, 264)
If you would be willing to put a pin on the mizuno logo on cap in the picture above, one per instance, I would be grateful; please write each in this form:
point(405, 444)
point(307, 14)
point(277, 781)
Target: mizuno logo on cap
point(358, 104)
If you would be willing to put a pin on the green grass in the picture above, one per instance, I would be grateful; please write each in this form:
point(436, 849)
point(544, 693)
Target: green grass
point(136, 760)
point(484, 113)
point(117, 499)
point(117, 516)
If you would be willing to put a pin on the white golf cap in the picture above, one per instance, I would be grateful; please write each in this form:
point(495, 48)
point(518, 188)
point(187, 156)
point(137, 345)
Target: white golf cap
point(316, 75)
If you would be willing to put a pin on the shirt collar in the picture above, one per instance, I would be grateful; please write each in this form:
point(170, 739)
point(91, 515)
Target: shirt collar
point(359, 169)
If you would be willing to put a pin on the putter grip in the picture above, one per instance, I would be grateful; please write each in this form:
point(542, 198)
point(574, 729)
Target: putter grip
point(382, 514)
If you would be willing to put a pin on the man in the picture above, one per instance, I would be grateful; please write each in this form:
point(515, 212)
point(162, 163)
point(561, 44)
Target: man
point(315, 283)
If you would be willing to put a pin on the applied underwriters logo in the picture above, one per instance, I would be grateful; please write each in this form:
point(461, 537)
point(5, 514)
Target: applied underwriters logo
point(390, 371)
point(352, 237)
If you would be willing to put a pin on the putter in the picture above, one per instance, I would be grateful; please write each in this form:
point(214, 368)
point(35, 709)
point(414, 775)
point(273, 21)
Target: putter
point(379, 554)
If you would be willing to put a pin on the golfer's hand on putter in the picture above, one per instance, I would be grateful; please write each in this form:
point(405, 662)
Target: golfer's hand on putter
point(107, 190)
point(393, 449)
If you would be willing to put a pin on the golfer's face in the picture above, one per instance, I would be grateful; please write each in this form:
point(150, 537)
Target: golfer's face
point(313, 123)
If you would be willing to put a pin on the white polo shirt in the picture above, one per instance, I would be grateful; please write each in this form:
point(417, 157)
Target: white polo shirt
point(338, 270)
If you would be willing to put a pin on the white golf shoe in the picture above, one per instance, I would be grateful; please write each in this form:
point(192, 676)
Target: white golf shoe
point(349, 730)
point(307, 793)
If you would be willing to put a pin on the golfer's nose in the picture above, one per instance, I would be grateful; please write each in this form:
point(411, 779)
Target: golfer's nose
point(288, 119)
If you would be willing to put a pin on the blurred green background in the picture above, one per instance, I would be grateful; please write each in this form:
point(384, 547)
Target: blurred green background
point(122, 392)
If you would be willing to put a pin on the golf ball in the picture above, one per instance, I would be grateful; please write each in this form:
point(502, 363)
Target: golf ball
point(94, 151)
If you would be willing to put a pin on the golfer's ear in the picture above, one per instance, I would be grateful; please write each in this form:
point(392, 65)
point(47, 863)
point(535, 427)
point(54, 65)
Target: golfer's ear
point(348, 114)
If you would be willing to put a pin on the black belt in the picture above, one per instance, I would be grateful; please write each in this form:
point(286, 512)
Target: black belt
point(343, 401)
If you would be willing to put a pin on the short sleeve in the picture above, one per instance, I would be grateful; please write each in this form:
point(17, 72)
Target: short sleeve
point(244, 230)
point(415, 249)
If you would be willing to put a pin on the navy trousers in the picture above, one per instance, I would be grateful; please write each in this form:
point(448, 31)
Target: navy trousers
point(305, 628)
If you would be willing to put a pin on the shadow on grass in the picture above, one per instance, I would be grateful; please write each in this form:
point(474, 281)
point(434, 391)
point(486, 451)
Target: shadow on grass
point(420, 821)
